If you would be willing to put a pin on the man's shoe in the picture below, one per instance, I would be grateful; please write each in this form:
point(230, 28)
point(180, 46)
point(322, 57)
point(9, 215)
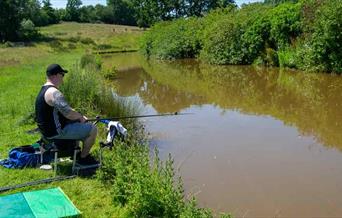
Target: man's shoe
point(88, 160)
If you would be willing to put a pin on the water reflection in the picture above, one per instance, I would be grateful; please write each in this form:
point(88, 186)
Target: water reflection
point(310, 102)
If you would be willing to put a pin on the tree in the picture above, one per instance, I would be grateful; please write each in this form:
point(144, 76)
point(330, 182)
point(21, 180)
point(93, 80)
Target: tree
point(199, 7)
point(122, 12)
point(73, 10)
point(10, 19)
point(277, 2)
point(50, 12)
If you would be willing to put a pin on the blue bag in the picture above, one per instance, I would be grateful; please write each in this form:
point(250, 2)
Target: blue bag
point(20, 157)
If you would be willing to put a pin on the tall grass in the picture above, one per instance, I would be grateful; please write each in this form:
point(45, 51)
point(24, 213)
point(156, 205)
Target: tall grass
point(86, 89)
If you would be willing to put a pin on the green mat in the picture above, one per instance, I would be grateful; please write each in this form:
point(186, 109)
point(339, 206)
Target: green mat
point(38, 204)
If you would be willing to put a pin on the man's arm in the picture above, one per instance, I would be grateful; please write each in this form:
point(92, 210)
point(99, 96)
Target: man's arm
point(55, 98)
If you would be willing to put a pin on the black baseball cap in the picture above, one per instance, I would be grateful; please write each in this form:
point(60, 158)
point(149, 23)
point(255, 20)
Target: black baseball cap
point(54, 69)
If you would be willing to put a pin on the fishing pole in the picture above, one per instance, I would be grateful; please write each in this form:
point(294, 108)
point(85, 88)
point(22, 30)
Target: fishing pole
point(99, 119)
point(37, 182)
point(137, 116)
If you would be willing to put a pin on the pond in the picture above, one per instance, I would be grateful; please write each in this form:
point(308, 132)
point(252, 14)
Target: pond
point(260, 142)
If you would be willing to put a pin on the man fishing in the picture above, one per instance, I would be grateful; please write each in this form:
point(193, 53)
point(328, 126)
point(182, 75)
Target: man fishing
point(57, 120)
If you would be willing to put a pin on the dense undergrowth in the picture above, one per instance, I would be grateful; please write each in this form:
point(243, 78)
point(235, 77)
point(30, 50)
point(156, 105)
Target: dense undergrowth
point(306, 35)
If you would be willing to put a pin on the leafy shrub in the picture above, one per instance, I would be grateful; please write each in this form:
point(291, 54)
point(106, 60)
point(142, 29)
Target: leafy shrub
point(74, 39)
point(322, 48)
point(7, 45)
point(103, 46)
point(223, 44)
point(28, 30)
point(56, 45)
point(173, 40)
point(285, 24)
point(236, 37)
point(71, 46)
point(145, 187)
point(87, 41)
point(304, 34)
point(92, 60)
point(60, 33)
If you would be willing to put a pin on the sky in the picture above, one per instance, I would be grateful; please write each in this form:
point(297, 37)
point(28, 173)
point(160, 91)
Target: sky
point(62, 3)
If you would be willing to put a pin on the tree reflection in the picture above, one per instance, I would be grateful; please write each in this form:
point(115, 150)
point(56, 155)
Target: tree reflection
point(309, 102)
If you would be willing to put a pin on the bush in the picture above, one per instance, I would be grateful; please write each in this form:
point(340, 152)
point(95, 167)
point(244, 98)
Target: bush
point(322, 48)
point(28, 30)
point(103, 46)
point(56, 45)
point(285, 24)
point(236, 37)
point(145, 187)
point(173, 40)
point(87, 41)
point(223, 44)
point(71, 46)
point(91, 60)
point(74, 39)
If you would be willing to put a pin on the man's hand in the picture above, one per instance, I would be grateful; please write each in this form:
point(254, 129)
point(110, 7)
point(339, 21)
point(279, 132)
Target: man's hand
point(83, 119)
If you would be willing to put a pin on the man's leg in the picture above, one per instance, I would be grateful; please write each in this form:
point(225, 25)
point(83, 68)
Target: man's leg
point(85, 132)
point(89, 142)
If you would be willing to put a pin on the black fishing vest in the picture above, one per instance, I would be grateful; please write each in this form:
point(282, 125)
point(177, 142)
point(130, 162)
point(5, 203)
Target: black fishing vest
point(50, 121)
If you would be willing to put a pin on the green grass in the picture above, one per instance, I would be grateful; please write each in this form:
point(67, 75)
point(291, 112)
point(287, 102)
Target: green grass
point(22, 72)
point(105, 36)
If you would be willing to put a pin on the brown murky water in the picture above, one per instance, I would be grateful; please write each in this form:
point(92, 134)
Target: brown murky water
point(261, 143)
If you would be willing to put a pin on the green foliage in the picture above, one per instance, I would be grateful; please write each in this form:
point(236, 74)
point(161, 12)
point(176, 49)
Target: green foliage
point(236, 37)
point(52, 17)
point(322, 48)
point(304, 35)
point(287, 57)
point(10, 19)
point(90, 60)
point(145, 187)
point(28, 30)
point(72, 10)
point(122, 12)
point(276, 2)
point(285, 24)
point(87, 41)
point(81, 88)
point(191, 210)
point(103, 46)
point(222, 44)
point(86, 90)
point(179, 39)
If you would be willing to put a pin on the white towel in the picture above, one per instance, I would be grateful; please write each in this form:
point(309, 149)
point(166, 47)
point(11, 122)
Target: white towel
point(113, 128)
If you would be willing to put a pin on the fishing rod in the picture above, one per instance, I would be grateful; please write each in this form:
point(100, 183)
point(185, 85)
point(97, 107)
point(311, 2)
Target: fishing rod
point(37, 182)
point(107, 119)
point(97, 119)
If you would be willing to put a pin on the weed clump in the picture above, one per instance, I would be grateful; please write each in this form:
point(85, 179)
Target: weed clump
point(144, 186)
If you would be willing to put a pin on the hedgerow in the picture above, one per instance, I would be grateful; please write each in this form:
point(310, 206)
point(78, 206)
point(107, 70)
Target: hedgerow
point(304, 34)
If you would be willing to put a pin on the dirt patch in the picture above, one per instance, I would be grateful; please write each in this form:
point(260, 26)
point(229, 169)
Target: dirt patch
point(9, 62)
